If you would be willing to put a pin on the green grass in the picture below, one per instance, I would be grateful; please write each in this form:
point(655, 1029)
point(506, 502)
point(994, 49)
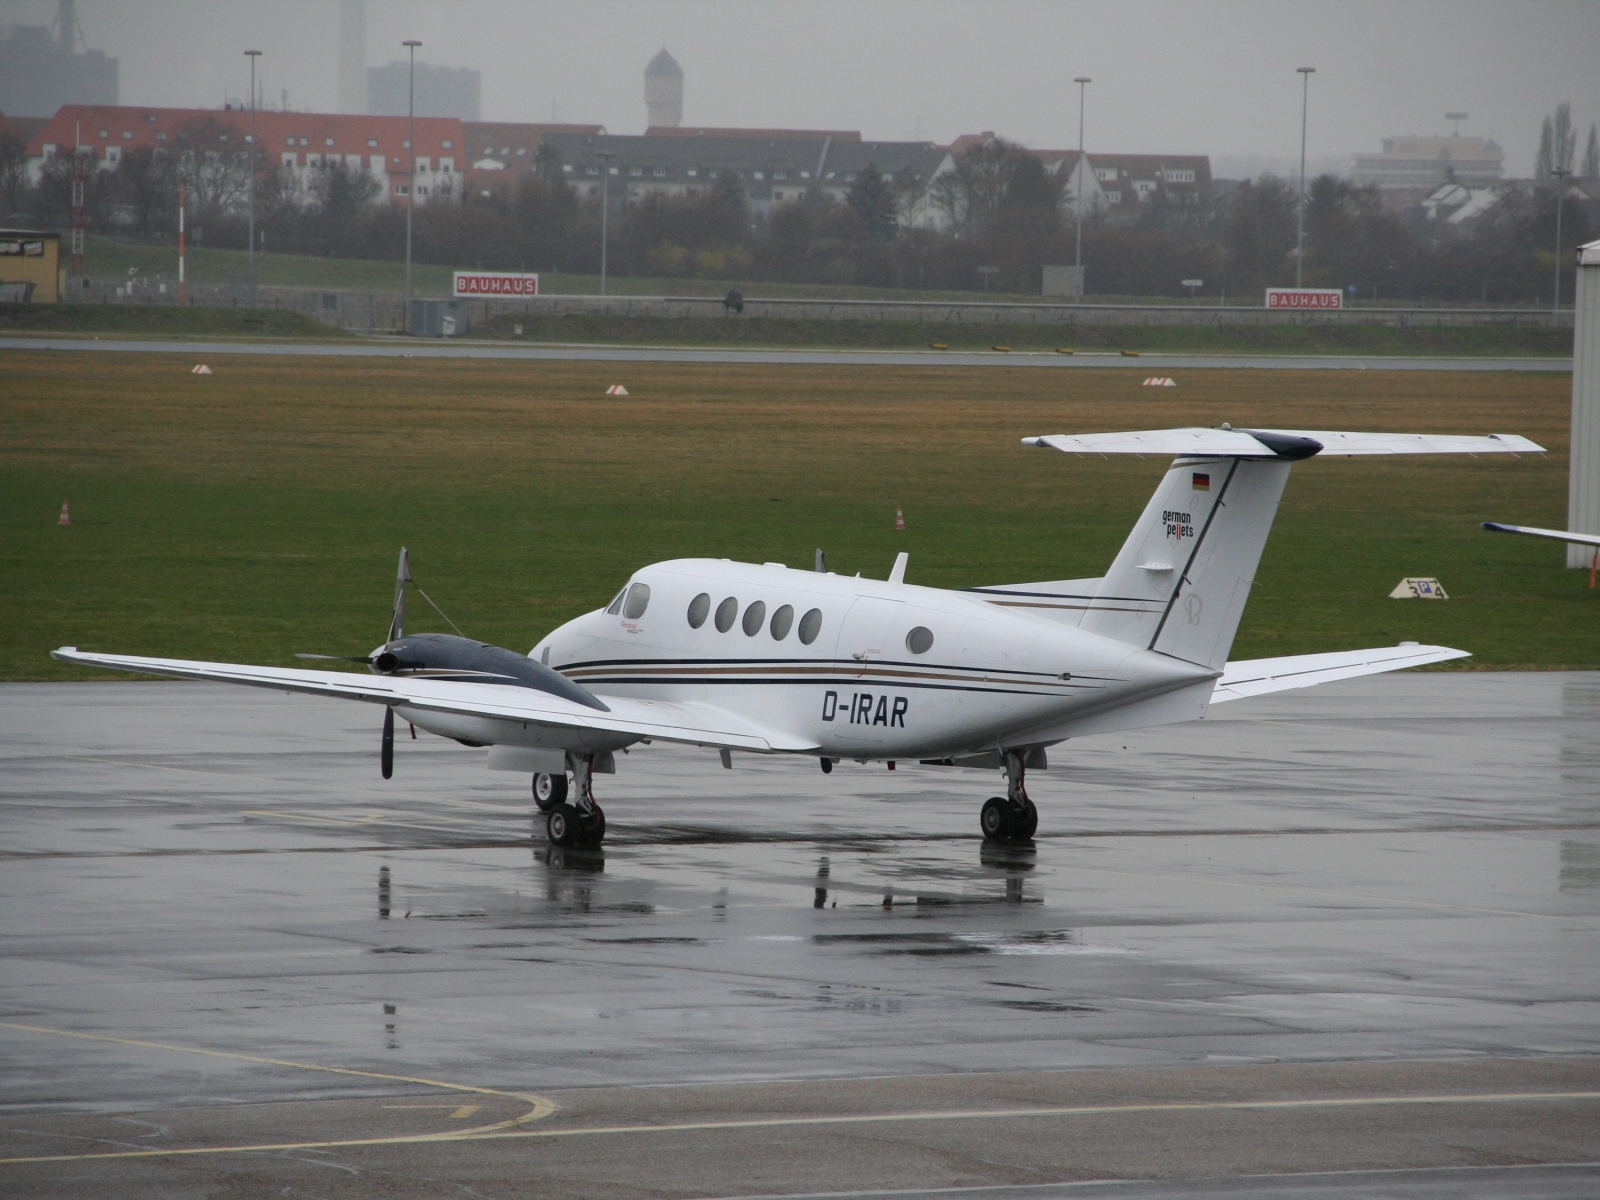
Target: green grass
point(1487, 341)
point(257, 512)
point(163, 320)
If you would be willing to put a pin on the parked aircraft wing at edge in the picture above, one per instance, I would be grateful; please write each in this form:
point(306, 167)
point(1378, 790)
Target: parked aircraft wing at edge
point(1259, 676)
point(1279, 443)
point(1560, 535)
point(696, 723)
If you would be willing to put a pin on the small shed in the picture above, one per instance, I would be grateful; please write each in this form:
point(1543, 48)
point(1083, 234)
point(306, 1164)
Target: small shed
point(30, 266)
point(436, 318)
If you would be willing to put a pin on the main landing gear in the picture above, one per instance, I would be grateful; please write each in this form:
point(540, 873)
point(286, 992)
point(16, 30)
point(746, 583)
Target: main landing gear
point(1012, 817)
point(580, 824)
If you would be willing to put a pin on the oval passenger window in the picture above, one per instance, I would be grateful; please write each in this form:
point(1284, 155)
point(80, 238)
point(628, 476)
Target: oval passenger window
point(810, 626)
point(698, 608)
point(782, 620)
point(919, 640)
point(638, 601)
point(726, 612)
point(755, 617)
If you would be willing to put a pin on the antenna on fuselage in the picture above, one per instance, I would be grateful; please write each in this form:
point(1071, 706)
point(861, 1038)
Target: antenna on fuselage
point(822, 562)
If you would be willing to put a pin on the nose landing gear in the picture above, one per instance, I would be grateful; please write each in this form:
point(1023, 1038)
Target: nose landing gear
point(1012, 817)
point(579, 824)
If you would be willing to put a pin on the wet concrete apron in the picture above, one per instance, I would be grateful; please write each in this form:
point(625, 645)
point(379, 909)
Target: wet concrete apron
point(234, 957)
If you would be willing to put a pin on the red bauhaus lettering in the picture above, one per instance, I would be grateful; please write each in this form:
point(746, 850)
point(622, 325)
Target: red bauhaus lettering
point(495, 283)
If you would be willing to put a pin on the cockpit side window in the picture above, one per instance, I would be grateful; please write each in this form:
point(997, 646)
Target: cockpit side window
point(638, 601)
point(616, 605)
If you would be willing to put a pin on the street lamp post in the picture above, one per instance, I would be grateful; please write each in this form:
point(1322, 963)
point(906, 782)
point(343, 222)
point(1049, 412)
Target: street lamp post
point(1560, 178)
point(605, 157)
point(252, 55)
point(1083, 168)
point(411, 160)
point(1300, 221)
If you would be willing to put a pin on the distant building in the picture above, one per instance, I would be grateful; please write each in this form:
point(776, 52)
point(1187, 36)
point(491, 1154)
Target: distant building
point(41, 69)
point(292, 143)
point(441, 91)
point(773, 171)
point(783, 135)
point(352, 56)
point(663, 91)
point(498, 153)
point(1117, 185)
point(1430, 161)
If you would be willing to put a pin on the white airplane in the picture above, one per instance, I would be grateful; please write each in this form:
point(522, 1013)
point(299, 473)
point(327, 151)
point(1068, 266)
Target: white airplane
point(773, 660)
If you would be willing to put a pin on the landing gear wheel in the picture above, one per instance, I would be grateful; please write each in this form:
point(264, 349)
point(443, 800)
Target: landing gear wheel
point(1027, 822)
point(549, 790)
point(564, 825)
point(592, 831)
point(995, 819)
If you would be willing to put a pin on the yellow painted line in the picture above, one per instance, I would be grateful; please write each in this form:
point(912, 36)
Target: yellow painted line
point(458, 1113)
point(539, 1107)
point(1003, 1114)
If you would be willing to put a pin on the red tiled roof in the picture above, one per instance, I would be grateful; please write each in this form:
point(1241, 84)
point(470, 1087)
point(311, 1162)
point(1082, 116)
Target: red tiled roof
point(101, 126)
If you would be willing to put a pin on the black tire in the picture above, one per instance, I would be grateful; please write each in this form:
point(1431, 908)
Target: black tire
point(549, 791)
point(563, 825)
point(593, 831)
point(1027, 823)
point(995, 819)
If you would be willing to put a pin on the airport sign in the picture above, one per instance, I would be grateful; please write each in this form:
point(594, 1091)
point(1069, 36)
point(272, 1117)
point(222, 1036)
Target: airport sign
point(494, 283)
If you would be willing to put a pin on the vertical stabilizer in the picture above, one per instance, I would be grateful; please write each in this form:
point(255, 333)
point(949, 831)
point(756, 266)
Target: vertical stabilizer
point(1181, 580)
point(397, 623)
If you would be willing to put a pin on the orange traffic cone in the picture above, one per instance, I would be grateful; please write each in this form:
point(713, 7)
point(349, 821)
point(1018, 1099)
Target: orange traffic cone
point(899, 518)
point(66, 517)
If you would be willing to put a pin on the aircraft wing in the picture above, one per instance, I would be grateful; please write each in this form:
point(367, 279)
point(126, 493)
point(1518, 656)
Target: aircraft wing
point(1259, 676)
point(1270, 443)
point(1560, 535)
point(695, 723)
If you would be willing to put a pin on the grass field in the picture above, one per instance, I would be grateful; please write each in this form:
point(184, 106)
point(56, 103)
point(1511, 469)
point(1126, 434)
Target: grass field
point(162, 320)
point(258, 511)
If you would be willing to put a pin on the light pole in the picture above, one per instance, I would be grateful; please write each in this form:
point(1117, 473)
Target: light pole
point(1300, 221)
point(605, 157)
point(411, 161)
point(1560, 178)
point(252, 55)
point(1083, 168)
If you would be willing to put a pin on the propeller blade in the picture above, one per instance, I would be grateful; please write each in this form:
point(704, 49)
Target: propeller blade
point(388, 742)
point(397, 623)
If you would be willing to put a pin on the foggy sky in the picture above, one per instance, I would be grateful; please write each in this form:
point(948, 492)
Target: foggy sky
point(1211, 77)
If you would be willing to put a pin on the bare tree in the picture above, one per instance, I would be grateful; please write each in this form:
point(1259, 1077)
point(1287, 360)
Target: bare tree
point(1591, 156)
point(1564, 138)
point(146, 182)
point(1545, 159)
point(971, 193)
point(214, 162)
point(14, 174)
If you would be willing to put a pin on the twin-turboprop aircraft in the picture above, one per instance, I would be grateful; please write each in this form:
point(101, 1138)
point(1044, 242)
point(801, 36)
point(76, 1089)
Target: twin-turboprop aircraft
point(772, 660)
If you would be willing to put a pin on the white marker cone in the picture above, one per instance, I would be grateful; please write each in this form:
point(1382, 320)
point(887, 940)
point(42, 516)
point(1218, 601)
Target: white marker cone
point(66, 517)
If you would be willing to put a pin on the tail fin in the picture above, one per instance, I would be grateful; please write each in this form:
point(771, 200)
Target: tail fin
point(397, 622)
point(1180, 582)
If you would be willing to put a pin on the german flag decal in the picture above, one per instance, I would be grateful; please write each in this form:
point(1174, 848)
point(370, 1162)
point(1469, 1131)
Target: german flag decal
point(1202, 481)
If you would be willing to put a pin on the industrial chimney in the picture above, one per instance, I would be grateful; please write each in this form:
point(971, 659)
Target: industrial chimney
point(352, 56)
point(663, 91)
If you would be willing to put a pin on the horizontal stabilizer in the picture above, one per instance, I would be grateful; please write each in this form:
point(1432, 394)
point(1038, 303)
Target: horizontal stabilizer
point(1259, 676)
point(693, 722)
point(1560, 535)
point(1279, 443)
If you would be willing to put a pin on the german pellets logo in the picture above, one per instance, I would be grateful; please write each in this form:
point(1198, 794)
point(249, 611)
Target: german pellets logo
point(1305, 298)
point(495, 283)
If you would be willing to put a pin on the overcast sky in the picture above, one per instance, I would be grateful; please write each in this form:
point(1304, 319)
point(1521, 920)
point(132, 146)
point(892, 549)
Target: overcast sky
point(1211, 77)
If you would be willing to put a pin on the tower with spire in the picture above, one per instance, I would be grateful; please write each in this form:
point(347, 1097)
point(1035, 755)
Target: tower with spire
point(663, 91)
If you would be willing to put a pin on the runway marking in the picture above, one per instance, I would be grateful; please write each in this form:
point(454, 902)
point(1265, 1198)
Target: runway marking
point(492, 1133)
point(539, 1109)
point(458, 1112)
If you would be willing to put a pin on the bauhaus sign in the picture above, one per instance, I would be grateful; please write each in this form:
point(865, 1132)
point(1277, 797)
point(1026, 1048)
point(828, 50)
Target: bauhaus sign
point(495, 283)
point(1305, 298)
